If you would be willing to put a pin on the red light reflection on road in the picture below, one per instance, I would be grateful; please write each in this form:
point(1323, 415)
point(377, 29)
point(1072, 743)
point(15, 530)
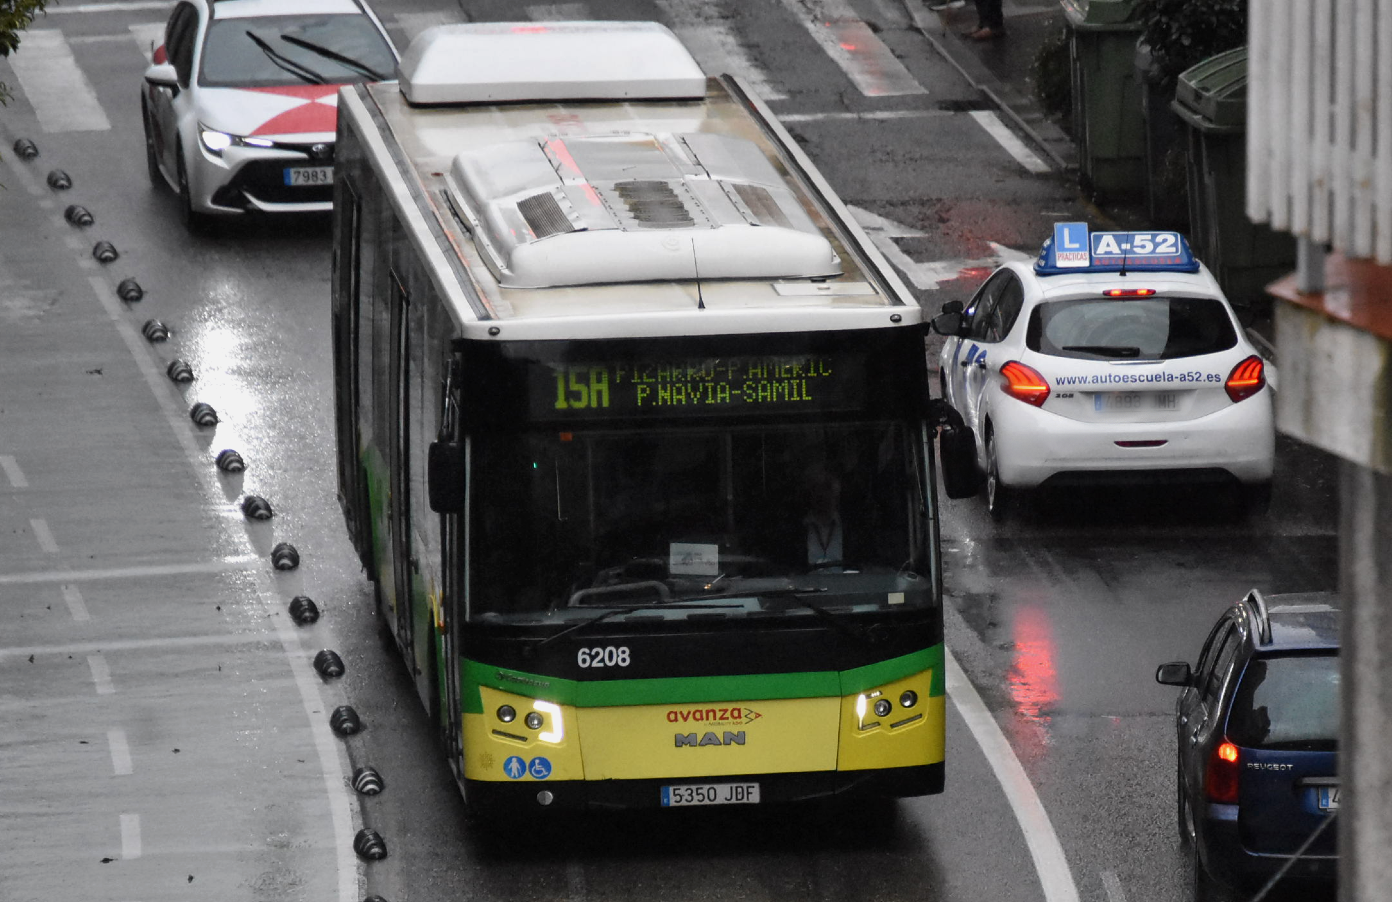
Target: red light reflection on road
point(1032, 680)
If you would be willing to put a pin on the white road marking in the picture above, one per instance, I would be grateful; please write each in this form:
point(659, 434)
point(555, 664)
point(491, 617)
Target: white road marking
point(133, 6)
point(101, 674)
point(57, 89)
point(873, 114)
point(868, 63)
point(44, 536)
point(1112, 884)
point(120, 752)
point(702, 27)
point(925, 276)
point(1049, 861)
point(12, 471)
point(331, 754)
point(173, 642)
point(76, 606)
point(60, 576)
point(148, 37)
point(1009, 140)
point(558, 12)
point(130, 836)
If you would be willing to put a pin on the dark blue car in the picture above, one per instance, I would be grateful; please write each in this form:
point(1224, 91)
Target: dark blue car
point(1258, 732)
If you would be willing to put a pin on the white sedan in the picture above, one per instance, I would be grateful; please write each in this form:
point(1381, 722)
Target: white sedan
point(240, 105)
point(1115, 358)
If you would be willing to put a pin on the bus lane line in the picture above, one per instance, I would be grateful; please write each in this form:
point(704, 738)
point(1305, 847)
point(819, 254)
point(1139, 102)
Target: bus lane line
point(44, 536)
point(332, 756)
point(240, 562)
point(76, 606)
point(101, 674)
point(130, 836)
point(120, 752)
point(1050, 863)
point(12, 471)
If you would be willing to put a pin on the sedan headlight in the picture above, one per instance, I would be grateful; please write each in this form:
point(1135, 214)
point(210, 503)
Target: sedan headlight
point(215, 142)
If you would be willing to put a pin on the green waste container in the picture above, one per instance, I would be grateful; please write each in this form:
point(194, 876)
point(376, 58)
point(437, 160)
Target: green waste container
point(1108, 122)
point(1211, 99)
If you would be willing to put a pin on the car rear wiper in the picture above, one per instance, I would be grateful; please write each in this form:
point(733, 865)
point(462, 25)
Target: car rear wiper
point(1106, 350)
point(334, 55)
point(299, 70)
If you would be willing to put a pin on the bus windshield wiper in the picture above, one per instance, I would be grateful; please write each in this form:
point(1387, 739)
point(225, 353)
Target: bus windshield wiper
point(299, 70)
point(801, 599)
point(334, 55)
point(610, 612)
point(1106, 350)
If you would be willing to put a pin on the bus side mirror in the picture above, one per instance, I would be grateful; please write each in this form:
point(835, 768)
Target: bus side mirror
point(1175, 673)
point(445, 477)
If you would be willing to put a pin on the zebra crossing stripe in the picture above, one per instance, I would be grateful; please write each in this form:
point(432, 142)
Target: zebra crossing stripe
point(868, 63)
point(57, 89)
point(701, 27)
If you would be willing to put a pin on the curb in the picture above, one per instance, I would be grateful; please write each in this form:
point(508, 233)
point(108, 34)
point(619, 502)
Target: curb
point(1021, 110)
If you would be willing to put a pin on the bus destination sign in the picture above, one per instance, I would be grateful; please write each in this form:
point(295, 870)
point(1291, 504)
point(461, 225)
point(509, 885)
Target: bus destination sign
point(705, 386)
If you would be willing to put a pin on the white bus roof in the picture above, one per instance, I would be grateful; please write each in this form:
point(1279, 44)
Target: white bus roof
point(500, 62)
point(571, 219)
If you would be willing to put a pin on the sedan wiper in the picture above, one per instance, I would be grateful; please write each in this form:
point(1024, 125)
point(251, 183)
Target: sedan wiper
point(299, 70)
point(334, 55)
point(1106, 350)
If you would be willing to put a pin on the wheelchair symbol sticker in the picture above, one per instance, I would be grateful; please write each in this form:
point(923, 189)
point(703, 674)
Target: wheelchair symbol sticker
point(539, 768)
point(514, 767)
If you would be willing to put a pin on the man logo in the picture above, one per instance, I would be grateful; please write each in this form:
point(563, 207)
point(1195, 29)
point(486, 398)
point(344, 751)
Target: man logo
point(735, 738)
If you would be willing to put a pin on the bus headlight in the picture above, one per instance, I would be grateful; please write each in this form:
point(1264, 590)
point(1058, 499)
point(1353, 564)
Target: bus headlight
point(908, 698)
point(882, 707)
point(534, 720)
point(557, 731)
point(507, 713)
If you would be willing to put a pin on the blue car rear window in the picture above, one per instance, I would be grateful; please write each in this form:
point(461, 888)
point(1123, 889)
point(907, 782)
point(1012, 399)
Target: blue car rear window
point(1287, 702)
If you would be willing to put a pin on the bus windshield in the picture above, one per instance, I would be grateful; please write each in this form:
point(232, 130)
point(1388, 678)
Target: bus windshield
point(761, 519)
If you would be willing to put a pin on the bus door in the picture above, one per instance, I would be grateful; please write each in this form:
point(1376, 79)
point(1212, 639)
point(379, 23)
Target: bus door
point(454, 540)
point(398, 519)
point(347, 254)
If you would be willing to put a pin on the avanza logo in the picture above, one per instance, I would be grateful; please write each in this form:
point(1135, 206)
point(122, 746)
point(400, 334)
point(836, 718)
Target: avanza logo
point(737, 714)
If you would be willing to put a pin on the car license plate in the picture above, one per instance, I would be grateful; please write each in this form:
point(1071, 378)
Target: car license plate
point(1329, 798)
point(710, 794)
point(305, 176)
point(1135, 400)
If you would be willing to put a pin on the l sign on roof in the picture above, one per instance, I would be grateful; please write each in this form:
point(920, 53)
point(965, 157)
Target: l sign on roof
point(1071, 245)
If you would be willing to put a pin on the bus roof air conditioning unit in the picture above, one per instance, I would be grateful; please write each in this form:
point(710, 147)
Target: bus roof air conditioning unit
point(514, 62)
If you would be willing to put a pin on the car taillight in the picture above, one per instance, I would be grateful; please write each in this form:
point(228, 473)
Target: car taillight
point(1246, 379)
point(1220, 779)
point(1024, 383)
point(1129, 292)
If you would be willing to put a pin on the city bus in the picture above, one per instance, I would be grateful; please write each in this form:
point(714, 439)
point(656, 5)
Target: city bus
point(634, 439)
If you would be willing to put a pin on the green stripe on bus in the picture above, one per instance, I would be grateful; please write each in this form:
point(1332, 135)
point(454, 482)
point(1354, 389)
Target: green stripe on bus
point(682, 690)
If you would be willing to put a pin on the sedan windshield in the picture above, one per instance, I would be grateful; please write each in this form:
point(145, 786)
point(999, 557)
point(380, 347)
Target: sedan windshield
point(1131, 328)
point(286, 50)
point(697, 522)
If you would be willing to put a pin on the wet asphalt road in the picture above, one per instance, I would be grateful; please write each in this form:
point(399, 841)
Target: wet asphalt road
point(156, 622)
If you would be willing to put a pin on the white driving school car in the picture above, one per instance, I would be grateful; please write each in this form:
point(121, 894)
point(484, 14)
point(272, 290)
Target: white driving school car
point(1114, 358)
point(240, 104)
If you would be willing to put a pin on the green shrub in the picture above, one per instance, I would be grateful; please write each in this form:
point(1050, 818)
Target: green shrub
point(1051, 76)
point(1181, 33)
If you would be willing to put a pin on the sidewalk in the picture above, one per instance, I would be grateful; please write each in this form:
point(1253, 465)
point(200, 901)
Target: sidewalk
point(1003, 69)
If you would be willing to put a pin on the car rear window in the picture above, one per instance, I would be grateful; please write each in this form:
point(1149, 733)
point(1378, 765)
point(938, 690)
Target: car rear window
point(233, 59)
point(1130, 328)
point(1287, 702)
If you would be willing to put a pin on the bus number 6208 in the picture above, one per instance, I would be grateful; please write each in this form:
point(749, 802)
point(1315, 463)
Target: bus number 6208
point(608, 656)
